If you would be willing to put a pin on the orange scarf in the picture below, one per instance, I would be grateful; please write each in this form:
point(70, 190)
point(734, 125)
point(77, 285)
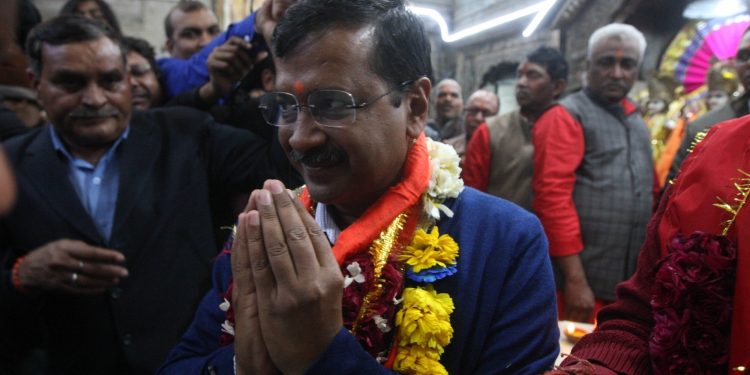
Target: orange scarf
point(405, 195)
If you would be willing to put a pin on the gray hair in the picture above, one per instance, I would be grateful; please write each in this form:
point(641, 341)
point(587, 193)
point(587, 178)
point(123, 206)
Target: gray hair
point(618, 31)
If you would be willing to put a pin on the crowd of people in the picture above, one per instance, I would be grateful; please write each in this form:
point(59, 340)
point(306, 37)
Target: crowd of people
point(299, 194)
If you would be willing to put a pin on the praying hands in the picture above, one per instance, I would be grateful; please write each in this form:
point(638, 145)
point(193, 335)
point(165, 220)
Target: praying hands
point(287, 286)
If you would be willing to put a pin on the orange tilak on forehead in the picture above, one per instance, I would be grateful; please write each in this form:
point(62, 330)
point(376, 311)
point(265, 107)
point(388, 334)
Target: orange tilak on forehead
point(619, 53)
point(298, 87)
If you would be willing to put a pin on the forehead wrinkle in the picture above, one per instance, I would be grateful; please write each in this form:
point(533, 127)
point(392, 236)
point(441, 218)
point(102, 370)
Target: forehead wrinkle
point(81, 54)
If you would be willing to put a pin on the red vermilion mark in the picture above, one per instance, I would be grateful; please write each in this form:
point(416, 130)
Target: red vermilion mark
point(298, 87)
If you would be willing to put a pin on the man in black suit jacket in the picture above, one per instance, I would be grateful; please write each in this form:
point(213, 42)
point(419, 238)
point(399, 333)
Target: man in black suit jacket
point(109, 247)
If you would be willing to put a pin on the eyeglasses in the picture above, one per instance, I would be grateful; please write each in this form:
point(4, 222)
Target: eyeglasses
point(330, 108)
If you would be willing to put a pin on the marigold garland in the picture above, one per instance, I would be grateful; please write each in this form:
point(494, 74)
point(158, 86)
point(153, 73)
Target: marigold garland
point(375, 277)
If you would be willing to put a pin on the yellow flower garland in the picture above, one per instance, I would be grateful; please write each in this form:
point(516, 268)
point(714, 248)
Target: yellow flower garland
point(424, 327)
point(430, 250)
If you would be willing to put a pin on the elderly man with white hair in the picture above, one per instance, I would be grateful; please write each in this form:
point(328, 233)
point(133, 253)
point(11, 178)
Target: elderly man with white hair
point(593, 176)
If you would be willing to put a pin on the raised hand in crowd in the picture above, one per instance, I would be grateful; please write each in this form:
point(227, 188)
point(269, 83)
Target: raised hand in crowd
point(70, 266)
point(227, 64)
point(269, 15)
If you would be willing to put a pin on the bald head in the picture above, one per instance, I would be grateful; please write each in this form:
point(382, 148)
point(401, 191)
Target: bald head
point(481, 104)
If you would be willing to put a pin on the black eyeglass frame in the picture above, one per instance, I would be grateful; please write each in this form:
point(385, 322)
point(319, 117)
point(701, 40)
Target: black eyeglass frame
point(311, 108)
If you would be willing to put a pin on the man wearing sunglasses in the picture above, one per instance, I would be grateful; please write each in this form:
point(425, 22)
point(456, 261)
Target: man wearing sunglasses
point(333, 282)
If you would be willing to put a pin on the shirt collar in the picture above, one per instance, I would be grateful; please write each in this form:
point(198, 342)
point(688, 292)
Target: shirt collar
point(58, 144)
point(326, 222)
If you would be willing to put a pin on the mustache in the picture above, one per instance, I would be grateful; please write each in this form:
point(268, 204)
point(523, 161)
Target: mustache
point(321, 155)
point(94, 113)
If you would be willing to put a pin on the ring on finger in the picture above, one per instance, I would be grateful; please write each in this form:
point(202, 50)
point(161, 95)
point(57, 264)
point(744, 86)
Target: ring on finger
point(74, 278)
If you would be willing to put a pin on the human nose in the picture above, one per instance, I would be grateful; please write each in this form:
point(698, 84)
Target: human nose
point(94, 96)
point(134, 81)
point(617, 70)
point(205, 38)
point(306, 133)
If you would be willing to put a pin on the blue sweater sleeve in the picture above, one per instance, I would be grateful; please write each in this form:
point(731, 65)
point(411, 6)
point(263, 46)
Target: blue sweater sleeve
point(199, 351)
point(180, 75)
point(343, 356)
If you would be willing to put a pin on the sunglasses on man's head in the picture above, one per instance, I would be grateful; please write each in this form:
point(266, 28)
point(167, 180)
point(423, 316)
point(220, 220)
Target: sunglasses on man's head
point(331, 108)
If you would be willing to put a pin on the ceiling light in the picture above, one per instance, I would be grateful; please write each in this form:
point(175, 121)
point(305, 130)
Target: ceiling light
point(539, 10)
point(707, 9)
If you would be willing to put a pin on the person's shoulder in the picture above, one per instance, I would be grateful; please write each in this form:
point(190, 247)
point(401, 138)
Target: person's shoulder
point(17, 145)
point(500, 122)
point(183, 115)
point(711, 118)
point(486, 226)
point(555, 110)
point(737, 130)
point(573, 99)
point(483, 210)
point(173, 119)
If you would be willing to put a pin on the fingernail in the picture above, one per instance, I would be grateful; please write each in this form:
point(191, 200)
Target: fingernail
point(276, 188)
point(254, 218)
point(265, 197)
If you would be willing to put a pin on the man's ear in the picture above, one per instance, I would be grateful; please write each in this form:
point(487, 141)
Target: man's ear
point(32, 78)
point(267, 79)
point(417, 101)
point(558, 88)
point(168, 45)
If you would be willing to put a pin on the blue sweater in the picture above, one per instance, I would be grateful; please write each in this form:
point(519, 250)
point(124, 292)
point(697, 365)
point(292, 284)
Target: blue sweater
point(505, 319)
point(178, 75)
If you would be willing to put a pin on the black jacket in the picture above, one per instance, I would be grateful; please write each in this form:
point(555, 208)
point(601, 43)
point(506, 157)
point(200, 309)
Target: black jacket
point(173, 163)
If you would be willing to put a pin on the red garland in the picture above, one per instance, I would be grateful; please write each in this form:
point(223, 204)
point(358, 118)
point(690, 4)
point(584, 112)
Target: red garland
point(373, 339)
point(692, 305)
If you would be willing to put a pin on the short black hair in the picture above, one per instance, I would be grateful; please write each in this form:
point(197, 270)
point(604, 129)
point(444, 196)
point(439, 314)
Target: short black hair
point(143, 48)
point(28, 17)
point(184, 6)
point(71, 7)
point(400, 51)
point(552, 60)
point(65, 30)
